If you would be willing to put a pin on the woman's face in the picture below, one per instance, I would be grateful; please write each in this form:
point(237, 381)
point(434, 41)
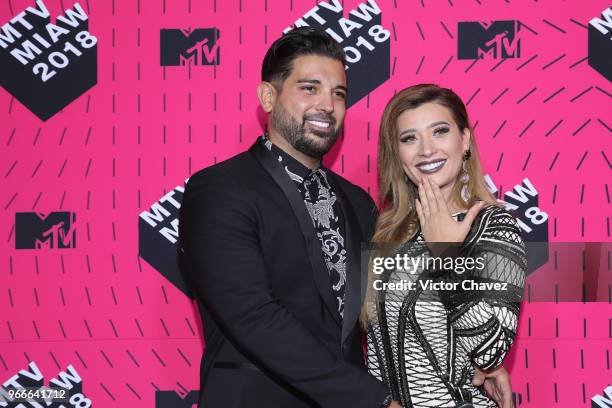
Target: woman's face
point(431, 144)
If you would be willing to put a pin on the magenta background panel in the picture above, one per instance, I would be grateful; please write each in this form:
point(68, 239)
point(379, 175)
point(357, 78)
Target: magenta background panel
point(143, 129)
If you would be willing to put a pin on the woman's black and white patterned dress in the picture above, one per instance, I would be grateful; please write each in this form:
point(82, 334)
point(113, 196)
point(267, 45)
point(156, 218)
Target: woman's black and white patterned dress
point(425, 344)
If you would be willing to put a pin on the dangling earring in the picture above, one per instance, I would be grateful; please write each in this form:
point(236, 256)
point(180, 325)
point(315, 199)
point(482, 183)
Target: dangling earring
point(465, 177)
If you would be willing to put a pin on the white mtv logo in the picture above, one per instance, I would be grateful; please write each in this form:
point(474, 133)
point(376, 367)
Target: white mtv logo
point(604, 25)
point(601, 401)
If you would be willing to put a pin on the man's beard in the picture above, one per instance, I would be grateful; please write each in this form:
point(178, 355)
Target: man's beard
point(295, 133)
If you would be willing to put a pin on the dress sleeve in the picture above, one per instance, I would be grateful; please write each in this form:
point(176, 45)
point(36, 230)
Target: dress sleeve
point(374, 359)
point(484, 320)
point(379, 359)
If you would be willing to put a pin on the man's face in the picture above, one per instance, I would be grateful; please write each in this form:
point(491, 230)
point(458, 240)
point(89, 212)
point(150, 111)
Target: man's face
point(311, 104)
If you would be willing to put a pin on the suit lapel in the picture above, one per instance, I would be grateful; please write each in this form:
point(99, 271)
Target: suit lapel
point(352, 294)
point(313, 246)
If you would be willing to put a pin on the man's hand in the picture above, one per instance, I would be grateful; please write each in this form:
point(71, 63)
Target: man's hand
point(496, 383)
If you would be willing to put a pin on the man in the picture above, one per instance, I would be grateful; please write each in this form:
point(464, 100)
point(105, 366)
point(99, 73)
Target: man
point(273, 238)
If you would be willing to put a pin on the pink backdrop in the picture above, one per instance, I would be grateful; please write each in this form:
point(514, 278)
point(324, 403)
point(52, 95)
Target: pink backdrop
point(127, 330)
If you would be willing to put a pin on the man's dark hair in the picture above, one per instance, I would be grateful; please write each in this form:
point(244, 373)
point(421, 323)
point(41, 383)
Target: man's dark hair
point(278, 62)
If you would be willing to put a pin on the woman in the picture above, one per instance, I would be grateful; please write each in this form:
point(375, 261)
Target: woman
point(426, 343)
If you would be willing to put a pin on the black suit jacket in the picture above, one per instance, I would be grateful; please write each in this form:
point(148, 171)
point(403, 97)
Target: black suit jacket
point(273, 335)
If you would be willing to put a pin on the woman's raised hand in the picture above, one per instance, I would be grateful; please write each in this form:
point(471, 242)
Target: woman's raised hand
point(437, 223)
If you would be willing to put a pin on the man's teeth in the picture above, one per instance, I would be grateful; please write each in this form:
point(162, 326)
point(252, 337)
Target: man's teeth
point(319, 124)
point(431, 166)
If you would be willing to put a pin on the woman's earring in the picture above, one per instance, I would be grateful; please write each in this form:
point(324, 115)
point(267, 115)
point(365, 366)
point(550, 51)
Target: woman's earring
point(465, 177)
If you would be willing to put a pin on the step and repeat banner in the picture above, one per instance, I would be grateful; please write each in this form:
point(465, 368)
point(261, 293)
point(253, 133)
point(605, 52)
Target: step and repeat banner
point(108, 106)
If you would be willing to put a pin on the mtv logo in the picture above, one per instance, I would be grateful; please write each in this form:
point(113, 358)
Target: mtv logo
point(600, 43)
point(600, 401)
point(183, 47)
point(158, 236)
point(171, 399)
point(499, 39)
point(49, 65)
point(523, 202)
point(55, 230)
point(372, 67)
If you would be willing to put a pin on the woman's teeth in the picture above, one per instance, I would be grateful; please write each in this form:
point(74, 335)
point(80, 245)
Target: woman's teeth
point(431, 167)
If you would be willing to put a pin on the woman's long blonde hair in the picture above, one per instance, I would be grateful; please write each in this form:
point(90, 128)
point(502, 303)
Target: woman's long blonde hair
point(398, 220)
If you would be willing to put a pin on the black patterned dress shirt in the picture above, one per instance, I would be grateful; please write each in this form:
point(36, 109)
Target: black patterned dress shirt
point(325, 212)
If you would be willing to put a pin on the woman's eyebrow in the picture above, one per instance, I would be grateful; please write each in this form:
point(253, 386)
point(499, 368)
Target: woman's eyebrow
point(440, 122)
